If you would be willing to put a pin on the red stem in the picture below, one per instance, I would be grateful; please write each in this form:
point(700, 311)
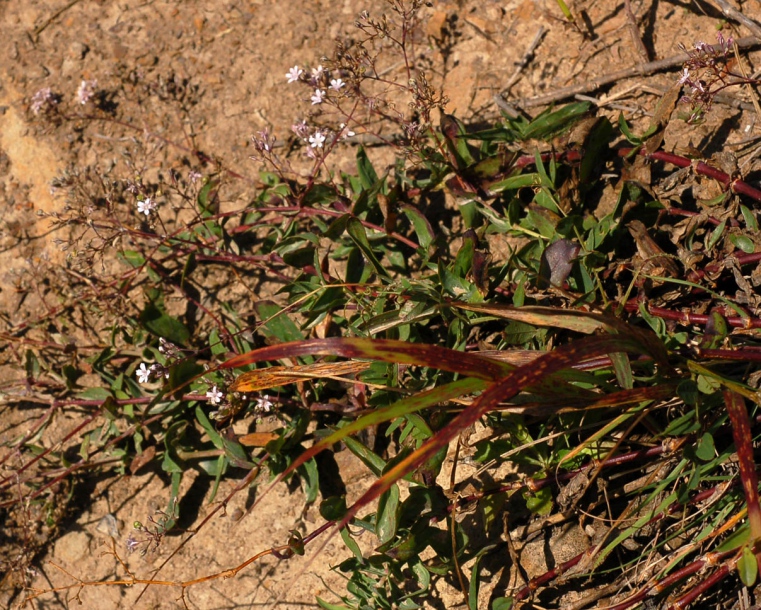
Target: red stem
point(735, 186)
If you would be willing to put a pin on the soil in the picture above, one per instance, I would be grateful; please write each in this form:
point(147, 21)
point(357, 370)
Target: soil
point(179, 77)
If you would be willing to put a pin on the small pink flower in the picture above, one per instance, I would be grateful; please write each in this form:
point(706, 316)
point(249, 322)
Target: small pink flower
point(214, 396)
point(146, 206)
point(336, 84)
point(86, 90)
point(294, 74)
point(318, 96)
point(317, 140)
point(143, 373)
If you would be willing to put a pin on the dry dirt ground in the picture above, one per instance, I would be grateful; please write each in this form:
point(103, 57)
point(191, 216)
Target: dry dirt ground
point(179, 77)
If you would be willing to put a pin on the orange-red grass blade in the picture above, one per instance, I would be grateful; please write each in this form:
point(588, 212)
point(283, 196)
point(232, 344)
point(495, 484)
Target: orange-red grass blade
point(385, 350)
point(274, 376)
point(738, 415)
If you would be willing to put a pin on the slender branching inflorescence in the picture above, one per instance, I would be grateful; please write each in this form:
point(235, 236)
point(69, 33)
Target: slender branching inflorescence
point(707, 72)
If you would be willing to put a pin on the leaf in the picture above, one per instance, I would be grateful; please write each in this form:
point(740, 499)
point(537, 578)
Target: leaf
point(743, 242)
point(502, 603)
point(705, 449)
point(214, 436)
point(159, 323)
point(327, 606)
point(747, 567)
point(550, 123)
point(539, 502)
point(275, 323)
point(387, 515)
point(367, 174)
point(358, 235)
point(420, 224)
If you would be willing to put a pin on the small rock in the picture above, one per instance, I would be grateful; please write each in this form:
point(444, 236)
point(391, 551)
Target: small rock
point(78, 50)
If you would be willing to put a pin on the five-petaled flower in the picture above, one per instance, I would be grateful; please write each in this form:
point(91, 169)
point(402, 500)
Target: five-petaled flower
point(345, 133)
point(317, 72)
point(336, 83)
point(317, 97)
point(143, 373)
point(214, 396)
point(294, 74)
point(146, 206)
point(264, 404)
point(317, 140)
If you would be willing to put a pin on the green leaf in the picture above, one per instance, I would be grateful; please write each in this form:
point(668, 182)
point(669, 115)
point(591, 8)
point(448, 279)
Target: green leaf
point(333, 508)
point(716, 235)
point(550, 123)
point(747, 567)
point(743, 242)
point(308, 472)
point(205, 198)
point(214, 436)
point(276, 324)
point(368, 458)
point(95, 394)
point(705, 449)
point(750, 218)
point(182, 374)
point(420, 224)
point(172, 463)
point(540, 502)
point(387, 517)
point(133, 258)
point(358, 235)
point(327, 606)
point(502, 603)
point(367, 174)
point(159, 323)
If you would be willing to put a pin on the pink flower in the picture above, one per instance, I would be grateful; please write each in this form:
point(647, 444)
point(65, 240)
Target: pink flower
point(294, 74)
point(317, 97)
point(214, 396)
point(336, 83)
point(317, 140)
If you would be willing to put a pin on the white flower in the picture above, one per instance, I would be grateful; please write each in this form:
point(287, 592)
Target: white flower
point(317, 97)
point(345, 133)
point(685, 77)
point(214, 396)
point(294, 74)
point(317, 72)
point(143, 373)
point(146, 206)
point(264, 404)
point(86, 90)
point(317, 140)
point(336, 83)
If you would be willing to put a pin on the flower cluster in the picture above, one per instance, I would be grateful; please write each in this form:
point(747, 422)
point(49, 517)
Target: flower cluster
point(706, 73)
point(44, 101)
point(319, 80)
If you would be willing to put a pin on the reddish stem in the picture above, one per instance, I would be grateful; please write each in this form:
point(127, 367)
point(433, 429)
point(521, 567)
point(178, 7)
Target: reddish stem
point(735, 186)
point(697, 319)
